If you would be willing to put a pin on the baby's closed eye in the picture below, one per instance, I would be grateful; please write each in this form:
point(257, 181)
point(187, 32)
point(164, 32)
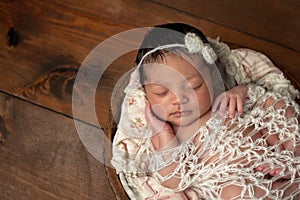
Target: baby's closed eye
point(161, 93)
point(194, 86)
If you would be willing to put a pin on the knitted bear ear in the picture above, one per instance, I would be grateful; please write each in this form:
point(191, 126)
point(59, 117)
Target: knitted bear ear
point(195, 45)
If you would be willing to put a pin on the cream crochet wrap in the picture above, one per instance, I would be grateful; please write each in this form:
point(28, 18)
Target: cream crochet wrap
point(222, 152)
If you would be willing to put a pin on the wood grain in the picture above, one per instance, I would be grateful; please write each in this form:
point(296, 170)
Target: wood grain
point(62, 33)
point(3, 130)
point(43, 157)
point(41, 154)
point(273, 21)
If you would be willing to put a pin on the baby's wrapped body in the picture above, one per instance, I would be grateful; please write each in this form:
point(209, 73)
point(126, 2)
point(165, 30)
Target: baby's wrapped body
point(252, 156)
point(221, 160)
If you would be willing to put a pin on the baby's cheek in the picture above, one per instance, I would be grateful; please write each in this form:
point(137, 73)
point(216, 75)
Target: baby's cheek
point(159, 111)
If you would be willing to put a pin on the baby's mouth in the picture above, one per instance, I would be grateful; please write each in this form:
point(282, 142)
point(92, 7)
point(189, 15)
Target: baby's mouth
point(181, 113)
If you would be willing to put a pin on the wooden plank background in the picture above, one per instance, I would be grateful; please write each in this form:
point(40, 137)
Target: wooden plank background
point(41, 155)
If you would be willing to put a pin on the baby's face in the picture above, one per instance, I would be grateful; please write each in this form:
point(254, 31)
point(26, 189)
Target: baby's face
point(176, 91)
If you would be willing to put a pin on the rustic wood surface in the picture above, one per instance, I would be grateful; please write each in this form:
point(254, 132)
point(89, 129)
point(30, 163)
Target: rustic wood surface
point(41, 155)
point(269, 20)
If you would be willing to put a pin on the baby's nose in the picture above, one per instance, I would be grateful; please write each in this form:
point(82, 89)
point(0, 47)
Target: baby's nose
point(180, 98)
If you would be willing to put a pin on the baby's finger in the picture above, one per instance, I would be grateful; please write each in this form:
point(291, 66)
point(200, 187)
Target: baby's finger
point(150, 118)
point(275, 172)
point(232, 107)
point(239, 105)
point(217, 102)
point(223, 104)
point(263, 168)
point(148, 113)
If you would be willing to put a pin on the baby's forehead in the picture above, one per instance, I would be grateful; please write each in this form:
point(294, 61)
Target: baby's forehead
point(172, 64)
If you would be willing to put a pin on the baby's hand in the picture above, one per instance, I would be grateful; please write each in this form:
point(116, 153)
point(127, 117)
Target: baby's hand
point(156, 125)
point(163, 135)
point(233, 98)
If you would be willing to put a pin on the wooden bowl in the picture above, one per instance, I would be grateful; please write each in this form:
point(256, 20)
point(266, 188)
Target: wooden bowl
point(114, 114)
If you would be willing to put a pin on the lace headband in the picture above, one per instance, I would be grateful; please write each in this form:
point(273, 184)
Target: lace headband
point(194, 45)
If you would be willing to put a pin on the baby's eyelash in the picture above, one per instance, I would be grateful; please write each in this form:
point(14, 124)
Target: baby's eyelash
point(196, 87)
point(162, 93)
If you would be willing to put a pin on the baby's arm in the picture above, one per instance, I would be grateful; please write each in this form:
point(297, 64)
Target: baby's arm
point(163, 138)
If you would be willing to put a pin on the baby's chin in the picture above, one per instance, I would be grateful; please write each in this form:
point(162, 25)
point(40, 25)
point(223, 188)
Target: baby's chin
point(184, 123)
